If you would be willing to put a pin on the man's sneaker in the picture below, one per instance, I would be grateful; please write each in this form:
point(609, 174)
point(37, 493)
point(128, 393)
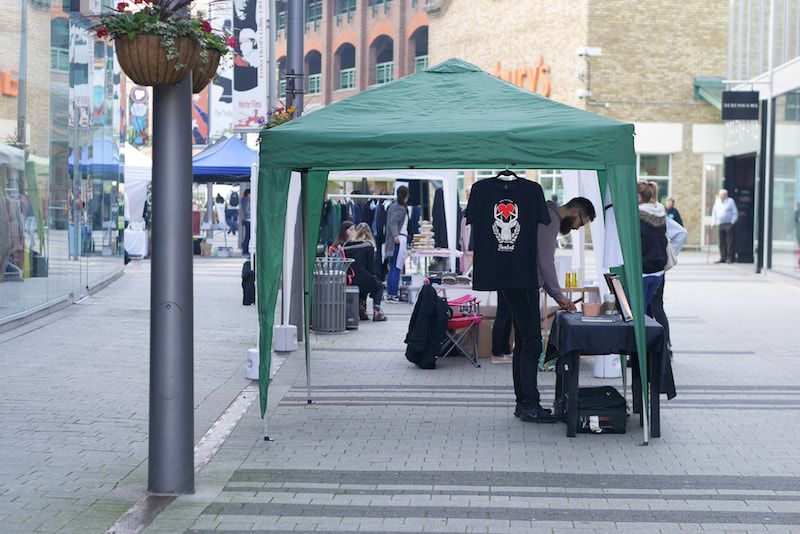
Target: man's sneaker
point(503, 358)
point(537, 415)
point(519, 409)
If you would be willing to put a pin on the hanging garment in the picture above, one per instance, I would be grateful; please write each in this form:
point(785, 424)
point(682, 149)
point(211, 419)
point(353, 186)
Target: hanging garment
point(505, 216)
point(427, 328)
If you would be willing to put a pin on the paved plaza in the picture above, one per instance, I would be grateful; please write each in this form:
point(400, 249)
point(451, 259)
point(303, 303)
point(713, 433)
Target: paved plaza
point(387, 447)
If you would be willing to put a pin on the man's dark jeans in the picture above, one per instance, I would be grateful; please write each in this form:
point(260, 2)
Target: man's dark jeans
point(246, 237)
point(501, 330)
point(524, 306)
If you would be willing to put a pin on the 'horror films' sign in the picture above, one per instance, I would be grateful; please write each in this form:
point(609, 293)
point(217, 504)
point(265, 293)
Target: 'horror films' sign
point(739, 105)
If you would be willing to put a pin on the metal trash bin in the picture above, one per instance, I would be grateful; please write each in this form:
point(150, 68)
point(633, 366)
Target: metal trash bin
point(329, 306)
point(352, 294)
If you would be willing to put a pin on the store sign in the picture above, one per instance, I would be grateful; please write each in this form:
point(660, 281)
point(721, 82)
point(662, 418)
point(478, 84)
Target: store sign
point(9, 83)
point(534, 79)
point(739, 105)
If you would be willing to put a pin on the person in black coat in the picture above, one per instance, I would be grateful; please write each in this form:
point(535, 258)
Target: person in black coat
point(672, 211)
point(361, 249)
point(653, 233)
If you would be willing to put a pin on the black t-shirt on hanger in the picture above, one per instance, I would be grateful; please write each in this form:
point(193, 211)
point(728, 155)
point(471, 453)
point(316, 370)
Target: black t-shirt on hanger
point(505, 217)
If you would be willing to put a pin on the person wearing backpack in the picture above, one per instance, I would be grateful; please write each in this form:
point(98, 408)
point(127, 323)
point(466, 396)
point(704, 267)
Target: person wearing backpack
point(232, 212)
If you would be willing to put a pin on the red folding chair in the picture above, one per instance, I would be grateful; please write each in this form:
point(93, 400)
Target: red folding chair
point(464, 322)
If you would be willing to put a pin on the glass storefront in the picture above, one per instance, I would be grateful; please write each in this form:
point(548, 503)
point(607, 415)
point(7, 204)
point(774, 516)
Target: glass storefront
point(786, 185)
point(61, 175)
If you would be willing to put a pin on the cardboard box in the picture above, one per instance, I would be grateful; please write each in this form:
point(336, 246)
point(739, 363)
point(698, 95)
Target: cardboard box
point(489, 312)
point(485, 337)
point(206, 249)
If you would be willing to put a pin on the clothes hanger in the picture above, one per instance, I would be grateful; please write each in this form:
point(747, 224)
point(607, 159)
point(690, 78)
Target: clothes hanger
point(507, 175)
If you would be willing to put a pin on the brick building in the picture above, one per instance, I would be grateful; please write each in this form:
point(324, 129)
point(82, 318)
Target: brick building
point(656, 60)
point(37, 73)
point(351, 45)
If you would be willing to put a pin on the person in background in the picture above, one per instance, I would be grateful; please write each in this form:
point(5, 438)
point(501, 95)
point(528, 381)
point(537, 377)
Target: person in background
point(346, 231)
point(653, 233)
point(219, 212)
point(361, 249)
point(724, 215)
point(672, 211)
point(676, 236)
point(244, 207)
point(797, 230)
point(232, 212)
point(396, 239)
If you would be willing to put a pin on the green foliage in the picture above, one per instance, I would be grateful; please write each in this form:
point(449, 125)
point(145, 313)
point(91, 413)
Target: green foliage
point(165, 19)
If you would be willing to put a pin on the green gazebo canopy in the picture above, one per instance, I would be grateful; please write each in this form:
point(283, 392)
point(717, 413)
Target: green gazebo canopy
point(451, 116)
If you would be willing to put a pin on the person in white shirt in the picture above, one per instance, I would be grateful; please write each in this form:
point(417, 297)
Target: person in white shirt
point(724, 215)
point(676, 238)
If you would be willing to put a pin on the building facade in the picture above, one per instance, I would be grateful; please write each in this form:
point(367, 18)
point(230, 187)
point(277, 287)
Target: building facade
point(351, 45)
point(59, 98)
point(640, 62)
point(762, 157)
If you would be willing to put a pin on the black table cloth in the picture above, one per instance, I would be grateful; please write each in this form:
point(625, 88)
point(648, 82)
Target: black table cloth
point(570, 337)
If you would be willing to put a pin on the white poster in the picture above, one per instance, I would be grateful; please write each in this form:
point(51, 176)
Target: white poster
point(221, 88)
point(250, 63)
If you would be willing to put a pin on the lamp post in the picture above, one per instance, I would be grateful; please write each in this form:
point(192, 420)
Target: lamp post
point(171, 444)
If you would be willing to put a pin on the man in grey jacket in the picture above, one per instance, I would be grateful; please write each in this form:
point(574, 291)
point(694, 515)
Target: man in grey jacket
point(571, 216)
point(396, 235)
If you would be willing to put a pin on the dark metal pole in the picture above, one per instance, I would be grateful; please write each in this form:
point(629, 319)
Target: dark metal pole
point(294, 97)
point(22, 76)
point(171, 451)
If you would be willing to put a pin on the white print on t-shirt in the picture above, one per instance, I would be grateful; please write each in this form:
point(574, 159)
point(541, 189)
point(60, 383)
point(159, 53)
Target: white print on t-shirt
point(506, 226)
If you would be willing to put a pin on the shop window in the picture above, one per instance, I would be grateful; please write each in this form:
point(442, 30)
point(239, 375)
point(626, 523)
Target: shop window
point(347, 78)
point(384, 72)
point(420, 63)
point(785, 233)
point(656, 168)
point(550, 180)
point(314, 84)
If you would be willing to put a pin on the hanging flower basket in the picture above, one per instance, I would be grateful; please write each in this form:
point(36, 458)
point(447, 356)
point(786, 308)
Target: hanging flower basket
point(204, 72)
point(158, 42)
point(147, 62)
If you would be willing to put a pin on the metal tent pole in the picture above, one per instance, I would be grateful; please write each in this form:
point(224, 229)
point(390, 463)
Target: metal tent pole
point(303, 223)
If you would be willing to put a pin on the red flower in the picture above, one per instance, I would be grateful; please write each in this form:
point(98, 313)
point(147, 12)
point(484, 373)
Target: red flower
point(232, 42)
point(102, 32)
point(122, 6)
point(138, 1)
point(205, 26)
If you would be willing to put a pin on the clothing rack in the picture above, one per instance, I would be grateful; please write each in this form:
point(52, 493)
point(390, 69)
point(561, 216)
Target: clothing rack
point(349, 196)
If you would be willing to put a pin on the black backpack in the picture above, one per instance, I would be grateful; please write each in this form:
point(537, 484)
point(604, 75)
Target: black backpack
point(234, 200)
point(248, 284)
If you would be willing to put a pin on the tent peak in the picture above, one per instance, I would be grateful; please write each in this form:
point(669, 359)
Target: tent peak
point(454, 64)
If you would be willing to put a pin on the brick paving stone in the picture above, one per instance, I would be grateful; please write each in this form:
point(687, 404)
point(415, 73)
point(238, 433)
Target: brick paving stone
point(74, 408)
point(388, 447)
